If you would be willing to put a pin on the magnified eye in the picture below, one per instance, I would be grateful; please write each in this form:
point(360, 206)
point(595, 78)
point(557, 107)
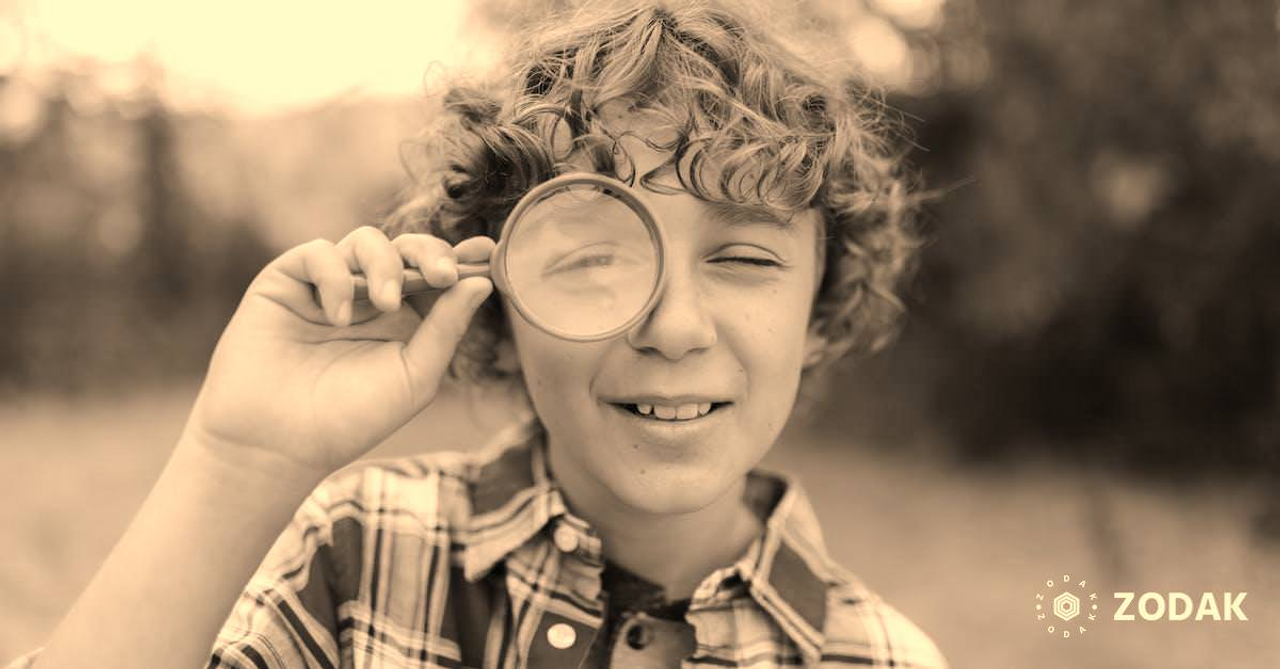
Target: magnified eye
point(595, 257)
point(586, 262)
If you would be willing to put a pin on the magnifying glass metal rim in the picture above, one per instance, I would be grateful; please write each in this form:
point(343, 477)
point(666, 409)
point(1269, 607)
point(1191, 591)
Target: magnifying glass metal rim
point(496, 270)
point(624, 193)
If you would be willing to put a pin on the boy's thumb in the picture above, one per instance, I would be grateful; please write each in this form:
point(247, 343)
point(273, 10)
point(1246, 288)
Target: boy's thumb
point(431, 347)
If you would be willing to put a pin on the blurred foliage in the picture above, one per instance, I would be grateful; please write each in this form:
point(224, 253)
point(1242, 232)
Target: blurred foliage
point(1099, 285)
point(129, 230)
point(111, 273)
point(1105, 287)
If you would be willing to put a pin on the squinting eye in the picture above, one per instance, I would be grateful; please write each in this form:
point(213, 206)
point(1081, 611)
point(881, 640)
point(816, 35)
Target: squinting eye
point(749, 260)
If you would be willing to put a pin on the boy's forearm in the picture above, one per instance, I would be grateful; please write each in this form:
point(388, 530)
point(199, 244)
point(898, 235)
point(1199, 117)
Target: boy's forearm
point(169, 584)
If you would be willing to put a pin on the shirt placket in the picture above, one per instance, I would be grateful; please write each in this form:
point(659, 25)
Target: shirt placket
point(562, 641)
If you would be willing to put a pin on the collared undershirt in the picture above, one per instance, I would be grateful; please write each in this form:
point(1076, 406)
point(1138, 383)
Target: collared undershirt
point(626, 595)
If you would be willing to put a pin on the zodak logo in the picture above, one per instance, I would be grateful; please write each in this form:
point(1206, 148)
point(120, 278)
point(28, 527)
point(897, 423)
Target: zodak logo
point(1151, 606)
point(1067, 608)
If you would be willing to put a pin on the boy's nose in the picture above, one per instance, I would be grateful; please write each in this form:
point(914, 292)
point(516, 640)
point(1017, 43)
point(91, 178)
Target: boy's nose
point(679, 324)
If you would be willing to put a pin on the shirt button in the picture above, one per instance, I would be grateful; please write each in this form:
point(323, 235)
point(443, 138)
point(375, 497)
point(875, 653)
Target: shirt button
point(561, 636)
point(565, 539)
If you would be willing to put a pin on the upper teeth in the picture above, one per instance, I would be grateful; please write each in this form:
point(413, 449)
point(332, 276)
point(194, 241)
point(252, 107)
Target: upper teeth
point(681, 412)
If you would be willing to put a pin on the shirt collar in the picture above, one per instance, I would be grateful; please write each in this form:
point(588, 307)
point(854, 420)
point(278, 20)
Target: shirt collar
point(786, 569)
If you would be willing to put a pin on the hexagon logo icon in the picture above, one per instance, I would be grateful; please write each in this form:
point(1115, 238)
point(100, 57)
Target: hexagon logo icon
point(1066, 606)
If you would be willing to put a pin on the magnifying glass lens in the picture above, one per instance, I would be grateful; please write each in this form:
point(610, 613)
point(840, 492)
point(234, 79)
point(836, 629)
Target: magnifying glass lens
point(582, 261)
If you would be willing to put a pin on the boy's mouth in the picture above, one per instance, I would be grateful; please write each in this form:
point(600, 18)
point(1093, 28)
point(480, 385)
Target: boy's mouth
point(672, 412)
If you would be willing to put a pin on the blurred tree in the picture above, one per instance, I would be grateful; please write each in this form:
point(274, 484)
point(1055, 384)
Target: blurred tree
point(11, 312)
point(102, 281)
point(163, 254)
point(1106, 283)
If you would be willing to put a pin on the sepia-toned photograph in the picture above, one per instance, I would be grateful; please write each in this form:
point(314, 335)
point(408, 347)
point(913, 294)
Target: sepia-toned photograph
point(573, 334)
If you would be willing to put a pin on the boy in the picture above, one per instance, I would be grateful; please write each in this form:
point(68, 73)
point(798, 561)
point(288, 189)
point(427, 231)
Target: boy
point(625, 525)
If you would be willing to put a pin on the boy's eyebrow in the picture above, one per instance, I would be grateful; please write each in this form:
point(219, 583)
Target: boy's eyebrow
point(731, 213)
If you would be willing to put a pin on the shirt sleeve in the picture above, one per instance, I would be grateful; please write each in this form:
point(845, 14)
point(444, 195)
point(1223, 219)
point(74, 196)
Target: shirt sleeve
point(911, 646)
point(287, 614)
point(863, 629)
point(285, 617)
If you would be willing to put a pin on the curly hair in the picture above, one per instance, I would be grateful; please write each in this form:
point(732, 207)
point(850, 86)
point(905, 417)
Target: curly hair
point(779, 132)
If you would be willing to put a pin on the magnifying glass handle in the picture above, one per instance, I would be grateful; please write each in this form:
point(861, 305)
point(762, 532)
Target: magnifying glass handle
point(414, 282)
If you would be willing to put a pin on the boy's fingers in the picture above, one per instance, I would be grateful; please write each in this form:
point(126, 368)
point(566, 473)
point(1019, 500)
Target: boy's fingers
point(320, 264)
point(475, 249)
point(368, 250)
point(431, 255)
point(429, 350)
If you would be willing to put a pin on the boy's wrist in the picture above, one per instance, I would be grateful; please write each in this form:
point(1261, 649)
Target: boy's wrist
point(242, 471)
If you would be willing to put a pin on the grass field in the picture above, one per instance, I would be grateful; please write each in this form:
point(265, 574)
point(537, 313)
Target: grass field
point(961, 552)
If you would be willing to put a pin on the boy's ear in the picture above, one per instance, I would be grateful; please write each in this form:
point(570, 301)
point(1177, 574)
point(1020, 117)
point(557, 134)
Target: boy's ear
point(814, 345)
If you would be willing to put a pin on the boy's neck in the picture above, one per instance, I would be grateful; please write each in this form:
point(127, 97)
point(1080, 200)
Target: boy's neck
point(679, 552)
point(674, 551)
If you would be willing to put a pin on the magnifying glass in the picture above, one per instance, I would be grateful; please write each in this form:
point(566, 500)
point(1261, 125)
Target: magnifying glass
point(579, 257)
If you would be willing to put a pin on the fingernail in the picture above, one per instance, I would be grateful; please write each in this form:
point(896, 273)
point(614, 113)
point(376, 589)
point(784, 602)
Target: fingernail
point(344, 314)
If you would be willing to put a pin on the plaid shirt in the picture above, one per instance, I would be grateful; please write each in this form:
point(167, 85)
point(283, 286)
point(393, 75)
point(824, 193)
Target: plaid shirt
point(474, 560)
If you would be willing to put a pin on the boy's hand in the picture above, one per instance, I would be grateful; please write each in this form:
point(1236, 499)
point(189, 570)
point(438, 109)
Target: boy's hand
point(298, 388)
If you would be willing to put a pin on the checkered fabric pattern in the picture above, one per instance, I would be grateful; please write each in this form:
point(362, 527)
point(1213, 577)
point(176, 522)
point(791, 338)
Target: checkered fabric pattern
point(474, 560)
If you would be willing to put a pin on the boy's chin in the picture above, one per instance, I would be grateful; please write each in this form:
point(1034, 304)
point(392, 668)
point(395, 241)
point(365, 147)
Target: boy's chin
point(670, 493)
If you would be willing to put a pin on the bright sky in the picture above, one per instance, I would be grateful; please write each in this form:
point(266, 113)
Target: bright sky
point(265, 56)
point(259, 56)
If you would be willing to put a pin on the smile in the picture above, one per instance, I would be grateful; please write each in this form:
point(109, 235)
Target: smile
point(672, 413)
